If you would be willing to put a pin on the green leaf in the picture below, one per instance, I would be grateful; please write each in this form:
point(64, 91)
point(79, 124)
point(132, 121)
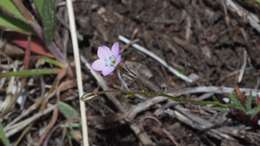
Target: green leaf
point(46, 11)
point(235, 102)
point(248, 103)
point(11, 19)
point(45, 59)
point(67, 111)
point(71, 125)
point(11, 24)
point(29, 72)
point(39, 5)
point(3, 137)
point(253, 111)
point(9, 7)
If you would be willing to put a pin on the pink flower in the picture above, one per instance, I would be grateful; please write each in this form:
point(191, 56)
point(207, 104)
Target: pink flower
point(108, 59)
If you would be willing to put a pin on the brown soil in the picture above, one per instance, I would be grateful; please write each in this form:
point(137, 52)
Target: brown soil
point(202, 38)
point(194, 36)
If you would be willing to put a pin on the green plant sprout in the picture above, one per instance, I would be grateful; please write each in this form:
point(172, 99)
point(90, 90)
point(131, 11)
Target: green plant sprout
point(249, 107)
point(32, 33)
point(3, 137)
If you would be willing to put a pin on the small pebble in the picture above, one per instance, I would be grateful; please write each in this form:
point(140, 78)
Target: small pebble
point(258, 122)
point(226, 100)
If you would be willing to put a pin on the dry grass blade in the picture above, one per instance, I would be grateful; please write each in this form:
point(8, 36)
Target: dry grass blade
point(154, 56)
point(252, 19)
point(73, 33)
point(212, 89)
point(19, 126)
point(243, 67)
point(49, 126)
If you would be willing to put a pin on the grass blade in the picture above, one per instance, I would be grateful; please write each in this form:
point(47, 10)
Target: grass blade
point(35, 44)
point(30, 72)
point(46, 10)
point(3, 137)
point(11, 19)
point(9, 7)
point(51, 61)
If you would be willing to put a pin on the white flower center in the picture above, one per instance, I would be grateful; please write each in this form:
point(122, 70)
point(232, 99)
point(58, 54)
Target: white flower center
point(110, 61)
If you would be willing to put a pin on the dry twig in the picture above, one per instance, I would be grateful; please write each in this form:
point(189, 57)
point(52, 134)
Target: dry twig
point(154, 56)
point(243, 68)
point(73, 33)
point(184, 116)
point(252, 19)
point(212, 89)
point(144, 106)
point(19, 126)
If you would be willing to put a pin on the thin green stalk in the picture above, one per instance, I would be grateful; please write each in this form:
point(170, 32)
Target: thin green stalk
point(29, 72)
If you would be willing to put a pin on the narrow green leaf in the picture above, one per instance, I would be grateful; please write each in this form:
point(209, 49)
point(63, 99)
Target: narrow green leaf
point(235, 102)
point(46, 10)
point(51, 61)
point(39, 5)
point(254, 111)
point(71, 125)
point(9, 7)
point(30, 72)
point(3, 137)
point(248, 103)
point(67, 111)
point(12, 24)
point(11, 19)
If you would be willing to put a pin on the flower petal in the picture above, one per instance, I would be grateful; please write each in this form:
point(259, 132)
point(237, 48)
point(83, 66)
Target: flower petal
point(107, 70)
point(115, 49)
point(98, 65)
point(103, 52)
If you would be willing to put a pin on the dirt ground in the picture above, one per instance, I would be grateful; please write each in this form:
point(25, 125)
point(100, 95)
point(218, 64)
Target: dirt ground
point(201, 38)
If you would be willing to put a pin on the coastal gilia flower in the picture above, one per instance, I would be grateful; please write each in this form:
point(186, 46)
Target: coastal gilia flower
point(108, 59)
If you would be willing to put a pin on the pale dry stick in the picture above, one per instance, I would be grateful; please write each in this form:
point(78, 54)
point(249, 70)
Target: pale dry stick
point(11, 91)
point(188, 29)
point(204, 96)
point(49, 126)
point(184, 116)
point(141, 107)
point(154, 56)
point(234, 73)
point(23, 114)
point(63, 3)
point(75, 45)
point(33, 107)
point(123, 83)
point(19, 126)
point(212, 89)
point(257, 83)
point(243, 68)
point(252, 19)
